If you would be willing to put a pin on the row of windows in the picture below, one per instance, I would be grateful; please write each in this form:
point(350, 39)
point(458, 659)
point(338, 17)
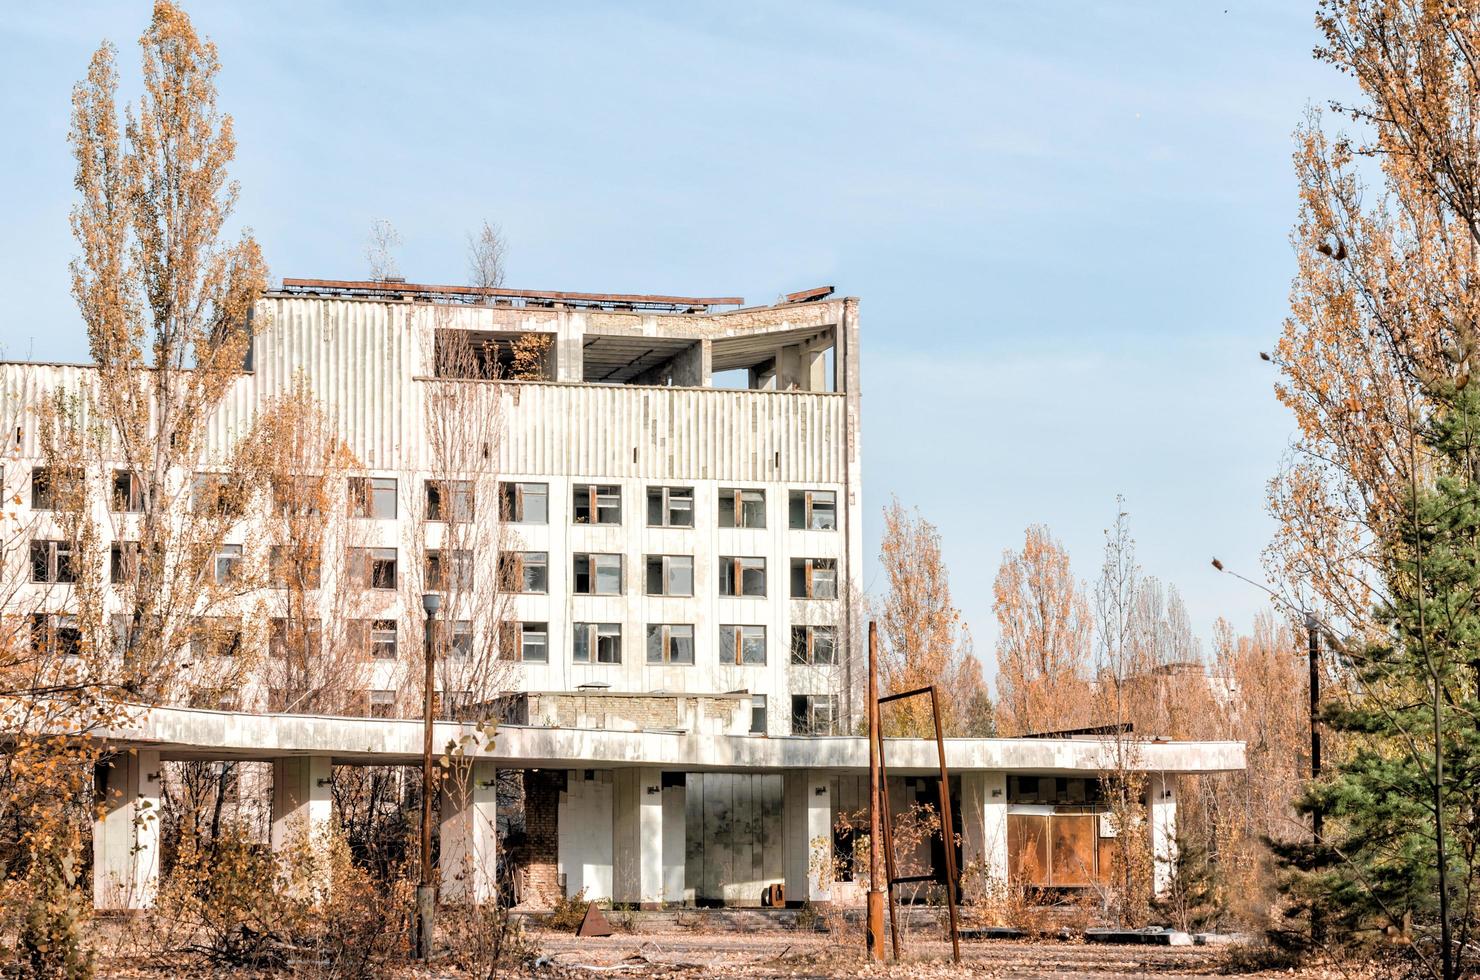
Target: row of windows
point(378, 639)
point(56, 562)
point(375, 497)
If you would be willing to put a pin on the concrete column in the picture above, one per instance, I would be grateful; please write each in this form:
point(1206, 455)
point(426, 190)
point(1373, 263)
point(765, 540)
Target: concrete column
point(302, 800)
point(1161, 814)
point(126, 834)
point(984, 824)
point(808, 835)
point(675, 841)
point(637, 837)
point(469, 833)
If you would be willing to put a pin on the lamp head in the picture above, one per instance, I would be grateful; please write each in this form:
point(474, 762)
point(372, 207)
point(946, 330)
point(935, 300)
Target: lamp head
point(431, 602)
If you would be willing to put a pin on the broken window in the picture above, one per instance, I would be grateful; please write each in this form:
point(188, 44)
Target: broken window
point(216, 494)
point(814, 578)
point(739, 507)
point(124, 566)
point(813, 714)
point(291, 567)
point(742, 645)
point(55, 634)
point(53, 562)
point(597, 643)
point(813, 644)
point(298, 496)
point(814, 510)
point(51, 486)
point(228, 561)
point(598, 574)
point(450, 571)
point(670, 575)
point(128, 492)
point(670, 506)
point(742, 576)
point(293, 637)
point(525, 503)
point(382, 704)
point(525, 571)
point(450, 501)
point(525, 642)
point(378, 638)
point(455, 637)
point(669, 644)
point(596, 503)
point(758, 714)
point(373, 497)
point(373, 568)
point(215, 636)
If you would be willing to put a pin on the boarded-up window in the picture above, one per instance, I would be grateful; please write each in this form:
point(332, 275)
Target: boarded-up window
point(1027, 848)
point(1073, 851)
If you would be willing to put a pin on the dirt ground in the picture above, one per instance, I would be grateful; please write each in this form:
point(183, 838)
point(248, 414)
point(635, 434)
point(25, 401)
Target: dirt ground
point(799, 955)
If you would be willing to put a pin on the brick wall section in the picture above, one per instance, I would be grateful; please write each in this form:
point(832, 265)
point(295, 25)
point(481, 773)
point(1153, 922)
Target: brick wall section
point(539, 877)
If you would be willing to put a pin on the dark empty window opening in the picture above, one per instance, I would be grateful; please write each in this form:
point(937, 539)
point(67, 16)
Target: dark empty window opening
point(739, 507)
point(488, 356)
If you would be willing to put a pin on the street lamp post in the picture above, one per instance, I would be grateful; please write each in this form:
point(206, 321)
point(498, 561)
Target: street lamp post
point(426, 894)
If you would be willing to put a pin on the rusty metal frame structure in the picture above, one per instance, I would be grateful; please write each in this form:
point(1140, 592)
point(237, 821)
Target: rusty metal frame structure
point(947, 825)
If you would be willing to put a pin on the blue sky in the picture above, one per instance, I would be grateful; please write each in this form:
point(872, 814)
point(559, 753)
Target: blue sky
point(1067, 221)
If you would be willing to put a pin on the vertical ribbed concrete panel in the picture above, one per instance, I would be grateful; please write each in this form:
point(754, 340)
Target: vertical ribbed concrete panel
point(126, 833)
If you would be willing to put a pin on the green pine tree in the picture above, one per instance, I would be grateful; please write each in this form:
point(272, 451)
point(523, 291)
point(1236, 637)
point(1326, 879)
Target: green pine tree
point(1401, 805)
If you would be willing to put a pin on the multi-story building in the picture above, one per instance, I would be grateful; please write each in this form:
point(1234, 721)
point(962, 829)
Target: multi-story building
point(666, 557)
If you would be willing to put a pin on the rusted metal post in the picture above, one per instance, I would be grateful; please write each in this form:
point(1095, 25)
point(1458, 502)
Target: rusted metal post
point(947, 826)
point(1313, 638)
point(426, 894)
point(875, 891)
point(888, 824)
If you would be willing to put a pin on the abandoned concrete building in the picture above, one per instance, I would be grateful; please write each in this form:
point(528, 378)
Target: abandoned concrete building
point(666, 590)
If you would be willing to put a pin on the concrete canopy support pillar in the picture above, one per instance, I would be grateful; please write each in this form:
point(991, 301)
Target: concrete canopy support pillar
point(808, 835)
point(302, 807)
point(469, 833)
point(675, 841)
point(984, 826)
point(126, 834)
point(1161, 814)
point(637, 837)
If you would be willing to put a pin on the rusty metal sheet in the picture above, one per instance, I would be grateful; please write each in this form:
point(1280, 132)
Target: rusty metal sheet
point(1073, 850)
point(1027, 848)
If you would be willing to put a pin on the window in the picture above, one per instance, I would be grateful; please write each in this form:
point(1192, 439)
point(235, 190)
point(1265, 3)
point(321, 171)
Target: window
point(525, 503)
point(128, 492)
point(670, 644)
point(814, 578)
point(456, 637)
point(813, 644)
point(373, 497)
point(597, 643)
point(742, 508)
point(373, 568)
point(53, 562)
point(596, 503)
point(50, 485)
point(742, 576)
point(293, 637)
point(598, 574)
point(813, 714)
point(526, 642)
point(215, 494)
point(130, 632)
point(58, 634)
point(382, 704)
point(297, 496)
point(379, 638)
point(293, 567)
point(450, 500)
point(215, 636)
point(228, 560)
point(814, 510)
point(758, 714)
point(524, 571)
point(670, 575)
point(449, 572)
point(670, 506)
point(124, 567)
point(742, 644)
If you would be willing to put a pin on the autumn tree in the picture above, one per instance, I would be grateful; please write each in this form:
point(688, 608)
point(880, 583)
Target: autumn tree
point(166, 302)
point(922, 638)
point(1044, 630)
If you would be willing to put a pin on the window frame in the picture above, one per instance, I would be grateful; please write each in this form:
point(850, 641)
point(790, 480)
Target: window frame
point(736, 508)
point(665, 496)
point(665, 571)
point(807, 499)
point(732, 568)
point(435, 566)
point(449, 501)
point(733, 639)
point(512, 501)
point(44, 487)
point(277, 573)
point(507, 578)
point(232, 558)
point(804, 654)
point(591, 573)
point(368, 568)
point(758, 714)
point(365, 495)
point(811, 703)
point(809, 568)
point(593, 494)
point(666, 644)
point(131, 500)
point(60, 554)
point(593, 633)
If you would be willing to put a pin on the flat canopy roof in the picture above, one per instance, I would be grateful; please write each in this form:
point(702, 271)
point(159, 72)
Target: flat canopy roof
point(192, 733)
point(395, 289)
